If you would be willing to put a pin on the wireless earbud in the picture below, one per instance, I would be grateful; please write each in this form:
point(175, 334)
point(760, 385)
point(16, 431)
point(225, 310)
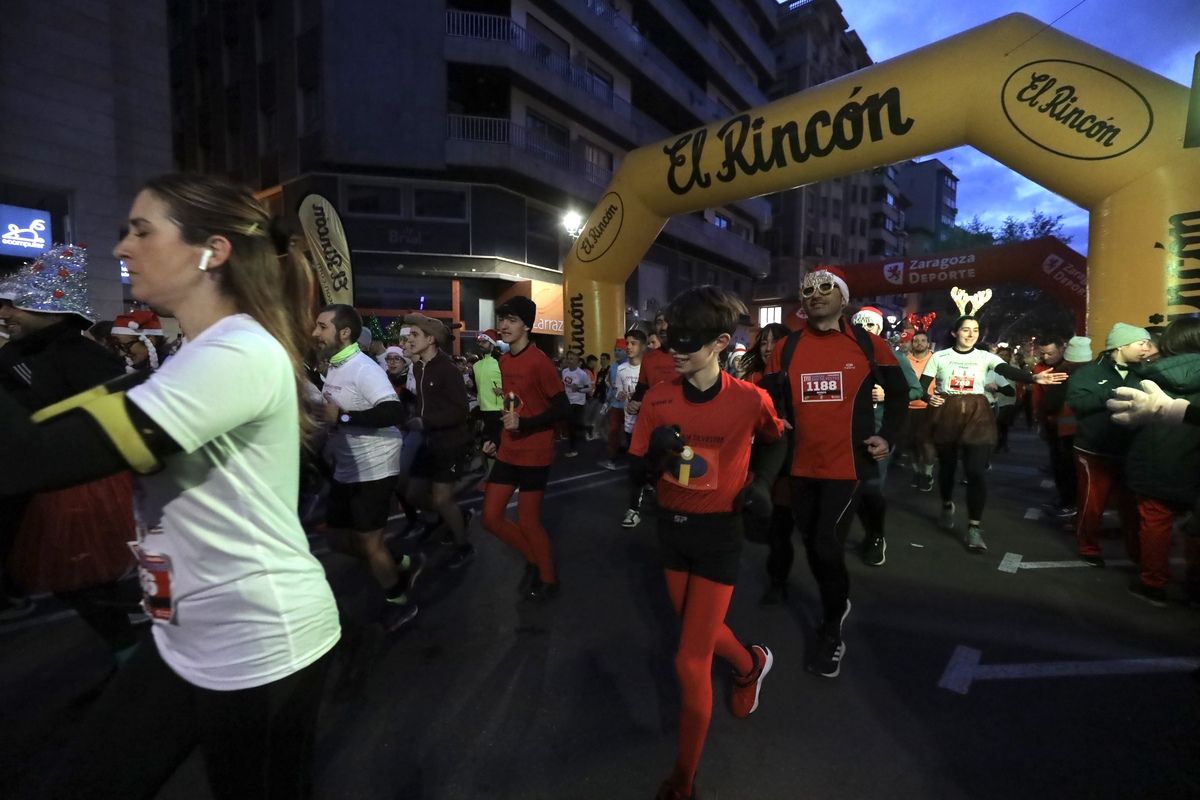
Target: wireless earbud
point(205, 257)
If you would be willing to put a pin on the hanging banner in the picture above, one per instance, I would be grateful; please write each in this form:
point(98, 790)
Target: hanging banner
point(328, 249)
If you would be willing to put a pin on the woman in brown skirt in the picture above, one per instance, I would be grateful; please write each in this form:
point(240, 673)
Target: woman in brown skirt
point(962, 422)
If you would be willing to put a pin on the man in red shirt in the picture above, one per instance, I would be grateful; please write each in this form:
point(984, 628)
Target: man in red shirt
point(828, 393)
point(534, 401)
point(694, 437)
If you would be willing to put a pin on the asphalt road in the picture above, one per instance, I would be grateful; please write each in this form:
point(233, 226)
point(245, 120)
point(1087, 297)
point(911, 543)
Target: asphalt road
point(1015, 673)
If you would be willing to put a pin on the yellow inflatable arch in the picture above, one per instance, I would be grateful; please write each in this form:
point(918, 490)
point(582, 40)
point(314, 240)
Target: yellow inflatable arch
point(1098, 130)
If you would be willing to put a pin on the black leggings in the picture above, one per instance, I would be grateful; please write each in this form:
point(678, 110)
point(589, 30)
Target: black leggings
point(823, 511)
point(975, 459)
point(256, 742)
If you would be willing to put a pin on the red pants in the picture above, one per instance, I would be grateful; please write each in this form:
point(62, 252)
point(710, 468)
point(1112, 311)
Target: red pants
point(616, 431)
point(1100, 478)
point(1156, 519)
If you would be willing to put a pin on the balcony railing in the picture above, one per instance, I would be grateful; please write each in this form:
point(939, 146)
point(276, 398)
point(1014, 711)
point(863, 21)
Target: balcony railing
point(492, 27)
point(497, 130)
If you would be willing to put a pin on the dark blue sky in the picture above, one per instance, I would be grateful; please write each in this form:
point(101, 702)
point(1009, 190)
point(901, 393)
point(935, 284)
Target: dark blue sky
point(1160, 35)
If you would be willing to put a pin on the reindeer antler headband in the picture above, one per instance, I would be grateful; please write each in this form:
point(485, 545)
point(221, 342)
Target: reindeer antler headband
point(969, 304)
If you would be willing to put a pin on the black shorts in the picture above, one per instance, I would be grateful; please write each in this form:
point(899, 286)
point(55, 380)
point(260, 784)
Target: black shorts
point(360, 507)
point(527, 479)
point(438, 464)
point(708, 545)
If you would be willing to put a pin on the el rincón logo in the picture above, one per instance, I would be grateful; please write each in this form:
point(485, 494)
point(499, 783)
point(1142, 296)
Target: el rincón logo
point(596, 238)
point(749, 150)
point(1076, 110)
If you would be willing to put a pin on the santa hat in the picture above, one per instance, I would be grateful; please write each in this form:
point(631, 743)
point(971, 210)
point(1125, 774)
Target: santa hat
point(491, 336)
point(824, 273)
point(868, 315)
point(142, 324)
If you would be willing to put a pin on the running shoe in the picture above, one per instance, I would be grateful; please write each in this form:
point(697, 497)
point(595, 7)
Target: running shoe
point(571, 454)
point(926, 483)
point(632, 518)
point(827, 661)
point(528, 576)
point(609, 464)
point(411, 568)
point(461, 556)
point(974, 539)
point(1154, 595)
point(396, 617)
point(946, 518)
point(747, 688)
point(874, 551)
point(1093, 561)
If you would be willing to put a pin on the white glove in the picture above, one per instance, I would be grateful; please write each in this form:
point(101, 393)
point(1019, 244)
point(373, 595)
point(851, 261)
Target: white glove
point(1134, 407)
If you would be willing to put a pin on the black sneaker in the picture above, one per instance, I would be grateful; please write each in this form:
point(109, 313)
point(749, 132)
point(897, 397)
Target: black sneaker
point(540, 592)
point(397, 616)
point(401, 593)
point(827, 661)
point(927, 483)
point(1151, 594)
point(527, 578)
point(874, 551)
point(461, 556)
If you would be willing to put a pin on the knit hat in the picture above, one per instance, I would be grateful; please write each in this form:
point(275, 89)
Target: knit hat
point(430, 326)
point(520, 307)
point(1079, 350)
point(137, 323)
point(55, 283)
point(868, 315)
point(1123, 333)
point(825, 273)
point(394, 351)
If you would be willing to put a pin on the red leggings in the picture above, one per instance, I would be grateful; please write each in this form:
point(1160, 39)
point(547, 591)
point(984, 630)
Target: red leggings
point(526, 535)
point(1100, 478)
point(701, 605)
point(1156, 519)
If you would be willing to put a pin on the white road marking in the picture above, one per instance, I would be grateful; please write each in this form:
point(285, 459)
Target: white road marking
point(1047, 483)
point(965, 668)
point(1012, 562)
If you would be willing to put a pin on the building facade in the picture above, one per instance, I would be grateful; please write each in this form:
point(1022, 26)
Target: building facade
point(454, 136)
point(931, 189)
point(83, 127)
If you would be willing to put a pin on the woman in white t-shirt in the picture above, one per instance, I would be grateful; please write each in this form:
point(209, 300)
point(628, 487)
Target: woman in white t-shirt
point(243, 617)
point(963, 424)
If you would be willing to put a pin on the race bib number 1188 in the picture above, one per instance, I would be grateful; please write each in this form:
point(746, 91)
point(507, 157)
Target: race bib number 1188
point(820, 387)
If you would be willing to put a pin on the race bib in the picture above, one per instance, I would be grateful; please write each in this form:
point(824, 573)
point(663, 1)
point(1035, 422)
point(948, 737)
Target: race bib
point(962, 381)
point(154, 573)
point(821, 387)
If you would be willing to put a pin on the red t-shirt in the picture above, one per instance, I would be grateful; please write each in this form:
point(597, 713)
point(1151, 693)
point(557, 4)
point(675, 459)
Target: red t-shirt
point(532, 377)
point(830, 380)
point(657, 367)
point(718, 433)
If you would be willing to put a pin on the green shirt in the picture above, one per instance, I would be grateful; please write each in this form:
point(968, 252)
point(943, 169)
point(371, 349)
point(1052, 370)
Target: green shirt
point(487, 375)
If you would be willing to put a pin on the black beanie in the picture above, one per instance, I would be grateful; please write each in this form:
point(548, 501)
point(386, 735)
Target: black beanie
point(520, 307)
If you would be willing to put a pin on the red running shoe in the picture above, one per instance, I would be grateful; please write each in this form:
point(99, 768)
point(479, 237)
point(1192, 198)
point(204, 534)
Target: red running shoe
point(747, 688)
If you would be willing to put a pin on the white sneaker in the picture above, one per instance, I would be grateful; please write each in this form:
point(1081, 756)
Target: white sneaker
point(632, 518)
point(609, 464)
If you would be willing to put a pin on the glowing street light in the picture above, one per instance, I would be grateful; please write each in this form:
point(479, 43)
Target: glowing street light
point(573, 222)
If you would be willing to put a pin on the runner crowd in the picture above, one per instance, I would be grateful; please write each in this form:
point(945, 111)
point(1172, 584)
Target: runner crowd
point(798, 430)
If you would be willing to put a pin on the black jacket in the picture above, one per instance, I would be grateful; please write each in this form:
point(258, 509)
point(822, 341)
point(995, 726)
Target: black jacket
point(441, 401)
point(1087, 391)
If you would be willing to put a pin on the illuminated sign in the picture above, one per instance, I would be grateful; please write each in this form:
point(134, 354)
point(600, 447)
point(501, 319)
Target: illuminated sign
point(24, 232)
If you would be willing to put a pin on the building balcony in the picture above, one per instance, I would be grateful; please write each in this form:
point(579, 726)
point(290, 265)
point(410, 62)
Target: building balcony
point(726, 70)
point(491, 40)
point(617, 33)
point(691, 230)
point(737, 17)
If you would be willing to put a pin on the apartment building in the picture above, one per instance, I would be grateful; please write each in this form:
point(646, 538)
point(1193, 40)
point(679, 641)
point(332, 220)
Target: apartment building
point(932, 192)
point(454, 136)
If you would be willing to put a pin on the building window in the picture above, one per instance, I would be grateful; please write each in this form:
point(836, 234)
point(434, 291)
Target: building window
point(440, 204)
point(835, 245)
point(599, 82)
point(837, 208)
point(310, 110)
point(597, 164)
point(768, 315)
point(721, 221)
point(546, 139)
point(889, 199)
point(548, 47)
point(371, 199)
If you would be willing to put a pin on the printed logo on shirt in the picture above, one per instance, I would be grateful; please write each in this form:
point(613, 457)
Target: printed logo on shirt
point(821, 387)
point(696, 468)
point(154, 574)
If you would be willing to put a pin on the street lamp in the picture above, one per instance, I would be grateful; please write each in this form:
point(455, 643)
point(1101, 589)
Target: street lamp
point(573, 222)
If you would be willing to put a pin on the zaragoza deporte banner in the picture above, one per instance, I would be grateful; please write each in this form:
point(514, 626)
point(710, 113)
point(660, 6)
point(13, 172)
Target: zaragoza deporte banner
point(1102, 132)
point(328, 249)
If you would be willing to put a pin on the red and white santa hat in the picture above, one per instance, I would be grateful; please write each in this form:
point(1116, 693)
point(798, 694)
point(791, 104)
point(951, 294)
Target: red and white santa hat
point(868, 314)
point(491, 336)
point(137, 323)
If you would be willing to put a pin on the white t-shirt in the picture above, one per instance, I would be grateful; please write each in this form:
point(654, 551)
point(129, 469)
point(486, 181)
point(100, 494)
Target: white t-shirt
point(237, 598)
point(358, 454)
point(627, 379)
point(577, 383)
point(961, 373)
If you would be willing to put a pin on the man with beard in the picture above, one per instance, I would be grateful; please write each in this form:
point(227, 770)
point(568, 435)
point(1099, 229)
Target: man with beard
point(915, 436)
point(364, 446)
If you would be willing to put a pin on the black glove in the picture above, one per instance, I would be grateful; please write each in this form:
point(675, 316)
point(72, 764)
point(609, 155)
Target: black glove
point(755, 498)
point(666, 443)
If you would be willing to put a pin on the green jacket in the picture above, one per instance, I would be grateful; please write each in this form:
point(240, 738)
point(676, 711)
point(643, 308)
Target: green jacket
point(487, 375)
point(1163, 461)
point(1087, 391)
